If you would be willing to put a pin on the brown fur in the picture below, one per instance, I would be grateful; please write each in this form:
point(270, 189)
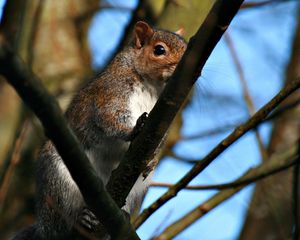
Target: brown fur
point(103, 116)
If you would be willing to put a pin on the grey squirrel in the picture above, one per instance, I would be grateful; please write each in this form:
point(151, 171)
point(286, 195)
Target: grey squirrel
point(103, 115)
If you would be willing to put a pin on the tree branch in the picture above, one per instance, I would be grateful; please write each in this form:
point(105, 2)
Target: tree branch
point(246, 92)
point(275, 168)
point(47, 110)
point(219, 130)
point(254, 4)
point(287, 158)
point(295, 197)
point(224, 144)
point(143, 149)
point(14, 160)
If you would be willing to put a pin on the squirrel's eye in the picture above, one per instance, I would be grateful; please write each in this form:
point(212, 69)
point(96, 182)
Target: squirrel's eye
point(159, 50)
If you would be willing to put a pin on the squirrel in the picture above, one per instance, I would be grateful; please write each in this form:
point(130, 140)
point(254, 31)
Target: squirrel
point(105, 116)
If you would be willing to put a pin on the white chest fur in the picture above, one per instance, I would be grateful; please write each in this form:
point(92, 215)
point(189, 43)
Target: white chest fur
point(141, 100)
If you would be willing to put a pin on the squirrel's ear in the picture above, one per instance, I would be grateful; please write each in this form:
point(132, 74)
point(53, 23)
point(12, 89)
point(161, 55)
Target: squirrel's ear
point(180, 32)
point(142, 33)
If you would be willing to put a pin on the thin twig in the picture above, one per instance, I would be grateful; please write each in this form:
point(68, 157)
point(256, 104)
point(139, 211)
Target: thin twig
point(160, 226)
point(246, 92)
point(34, 30)
point(15, 158)
point(255, 177)
point(251, 5)
point(219, 130)
point(180, 158)
point(224, 144)
point(137, 14)
point(212, 132)
point(92, 10)
point(283, 159)
point(18, 128)
point(295, 197)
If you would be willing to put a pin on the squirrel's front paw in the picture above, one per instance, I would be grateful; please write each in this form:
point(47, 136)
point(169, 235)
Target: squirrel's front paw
point(139, 124)
point(88, 220)
point(141, 121)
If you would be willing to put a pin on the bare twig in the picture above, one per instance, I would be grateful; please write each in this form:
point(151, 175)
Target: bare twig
point(246, 92)
point(144, 147)
point(38, 11)
point(276, 168)
point(181, 158)
point(137, 15)
point(92, 10)
point(276, 161)
point(47, 110)
point(13, 162)
point(295, 197)
point(211, 132)
point(250, 5)
point(18, 129)
point(160, 226)
point(224, 144)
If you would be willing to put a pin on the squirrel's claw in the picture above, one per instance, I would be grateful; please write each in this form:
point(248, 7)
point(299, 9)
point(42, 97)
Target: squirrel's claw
point(88, 220)
point(140, 123)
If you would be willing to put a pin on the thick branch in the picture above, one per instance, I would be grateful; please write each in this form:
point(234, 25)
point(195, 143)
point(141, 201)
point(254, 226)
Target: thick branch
point(47, 110)
point(287, 158)
point(147, 143)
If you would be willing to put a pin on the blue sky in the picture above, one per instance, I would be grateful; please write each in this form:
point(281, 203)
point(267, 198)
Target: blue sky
point(262, 37)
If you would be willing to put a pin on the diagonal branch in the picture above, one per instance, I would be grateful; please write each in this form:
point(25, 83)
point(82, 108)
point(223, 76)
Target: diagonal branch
point(146, 145)
point(246, 92)
point(275, 168)
point(220, 148)
point(286, 158)
point(254, 4)
point(14, 160)
point(47, 110)
point(219, 130)
point(295, 197)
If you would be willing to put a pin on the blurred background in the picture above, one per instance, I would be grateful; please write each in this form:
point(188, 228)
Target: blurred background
point(67, 42)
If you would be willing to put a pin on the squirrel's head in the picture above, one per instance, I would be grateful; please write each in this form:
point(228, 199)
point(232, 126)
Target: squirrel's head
point(157, 52)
